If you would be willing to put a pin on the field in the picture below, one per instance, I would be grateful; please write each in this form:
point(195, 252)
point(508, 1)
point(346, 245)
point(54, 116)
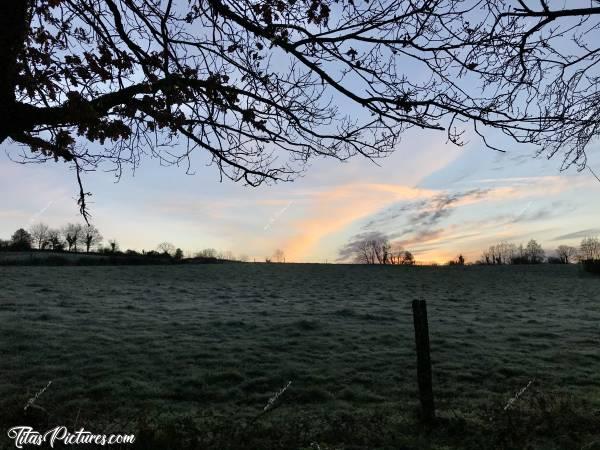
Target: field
point(188, 355)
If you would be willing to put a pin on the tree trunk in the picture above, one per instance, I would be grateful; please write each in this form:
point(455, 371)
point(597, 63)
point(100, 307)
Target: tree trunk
point(14, 23)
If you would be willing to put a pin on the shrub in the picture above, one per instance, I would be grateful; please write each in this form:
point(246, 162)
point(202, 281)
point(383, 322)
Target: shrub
point(592, 266)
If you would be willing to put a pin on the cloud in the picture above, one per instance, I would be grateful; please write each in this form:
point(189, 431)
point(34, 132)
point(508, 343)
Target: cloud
point(421, 220)
point(442, 206)
point(332, 210)
point(578, 234)
point(422, 237)
point(532, 216)
point(424, 227)
point(427, 212)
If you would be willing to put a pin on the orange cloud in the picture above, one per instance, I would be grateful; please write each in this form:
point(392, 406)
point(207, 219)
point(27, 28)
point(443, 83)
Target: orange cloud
point(333, 210)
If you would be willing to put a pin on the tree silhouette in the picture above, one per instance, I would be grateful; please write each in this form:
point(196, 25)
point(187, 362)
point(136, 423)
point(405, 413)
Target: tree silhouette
point(279, 256)
point(54, 240)
point(374, 247)
point(407, 259)
point(459, 261)
point(40, 235)
point(257, 84)
point(396, 253)
point(502, 253)
point(73, 234)
point(589, 250)
point(566, 253)
point(91, 237)
point(534, 251)
point(113, 246)
point(207, 253)
point(166, 248)
point(21, 240)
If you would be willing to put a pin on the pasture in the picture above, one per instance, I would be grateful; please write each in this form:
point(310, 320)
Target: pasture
point(204, 348)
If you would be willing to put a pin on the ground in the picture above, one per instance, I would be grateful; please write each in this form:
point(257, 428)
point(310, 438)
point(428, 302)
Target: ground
point(148, 344)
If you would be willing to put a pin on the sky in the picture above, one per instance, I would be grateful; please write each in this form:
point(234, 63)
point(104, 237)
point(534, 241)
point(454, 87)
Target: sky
point(435, 199)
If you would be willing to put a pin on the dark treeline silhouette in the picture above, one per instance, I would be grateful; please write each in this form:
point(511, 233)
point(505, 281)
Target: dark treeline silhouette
point(587, 254)
point(71, 244)
point(509, 253)
point(71, 237)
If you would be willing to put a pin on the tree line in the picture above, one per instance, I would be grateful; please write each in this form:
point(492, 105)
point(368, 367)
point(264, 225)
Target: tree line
point(377, 249)
point(75, 237)
point(71, 237)
point(533, 253)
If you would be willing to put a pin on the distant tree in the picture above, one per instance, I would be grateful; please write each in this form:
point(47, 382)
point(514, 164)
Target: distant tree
point(91, 237)
point(54, 240)
point(502, 253)
point(566, 253)
point(459, 261)
point(386, 252)
point(374, 248)
point(506, 252)
point(520, 256)
point(534, 251)
point(4, 244)
point(73, 234)
point(229, 256)
point(39, 235)
point(113, 246)
point(407, 259)
point(207, 253)
point(166, 248)
point(244, 258)
point(589, 249)
point(395, 253)
point(363, 252)
point(21, 240)
point(279, 256)
point(178, 255)
point(486, 257)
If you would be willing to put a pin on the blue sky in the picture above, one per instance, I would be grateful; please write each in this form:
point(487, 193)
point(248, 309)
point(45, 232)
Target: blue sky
point(434, 198)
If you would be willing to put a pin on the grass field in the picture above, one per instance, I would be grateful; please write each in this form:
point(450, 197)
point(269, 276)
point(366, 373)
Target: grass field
point(181, 352)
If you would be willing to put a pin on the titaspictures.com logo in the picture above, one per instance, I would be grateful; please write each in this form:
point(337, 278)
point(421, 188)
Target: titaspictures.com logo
point(25, 436)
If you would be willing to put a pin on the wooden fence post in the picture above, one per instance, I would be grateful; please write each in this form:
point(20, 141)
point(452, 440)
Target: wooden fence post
point(419, 308)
